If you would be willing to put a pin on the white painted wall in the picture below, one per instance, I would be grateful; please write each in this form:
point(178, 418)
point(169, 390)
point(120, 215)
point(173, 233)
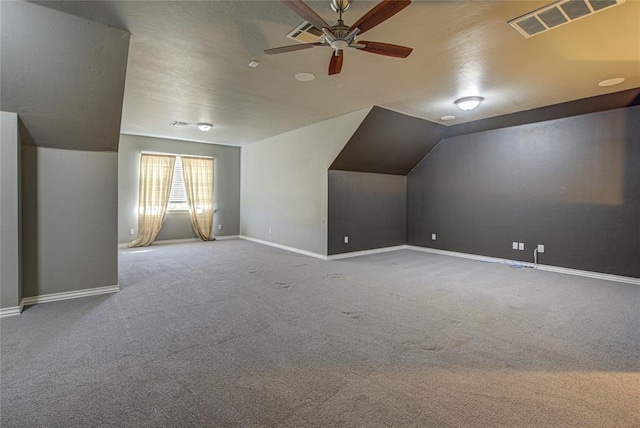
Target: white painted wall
point(284, 183)
point(10, 257)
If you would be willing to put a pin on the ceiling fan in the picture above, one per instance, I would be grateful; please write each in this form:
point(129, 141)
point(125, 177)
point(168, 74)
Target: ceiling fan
point(341, 36)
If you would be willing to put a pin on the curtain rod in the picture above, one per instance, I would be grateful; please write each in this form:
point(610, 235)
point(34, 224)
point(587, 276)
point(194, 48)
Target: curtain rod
point(146, 152)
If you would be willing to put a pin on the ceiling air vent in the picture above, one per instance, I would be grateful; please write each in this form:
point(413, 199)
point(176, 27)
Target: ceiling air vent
point(557, 14)
point(306, 33)
point(180, 124)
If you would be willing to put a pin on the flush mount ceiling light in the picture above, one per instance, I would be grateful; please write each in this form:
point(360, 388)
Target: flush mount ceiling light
point(447, 117)
point(305, 77)
point(468, 103)
point(204, 127)
point(254, 64)
point(612, 82)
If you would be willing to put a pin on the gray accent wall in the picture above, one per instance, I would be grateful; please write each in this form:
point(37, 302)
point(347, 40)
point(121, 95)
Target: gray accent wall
point(69, 220)
point(368, 208)
point(64, 76)
point(388, 142)
point(10, 212)
point(177, 225)
point(572, 184)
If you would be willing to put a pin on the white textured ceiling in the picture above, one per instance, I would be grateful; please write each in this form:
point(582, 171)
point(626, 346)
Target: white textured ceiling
point(188, 62)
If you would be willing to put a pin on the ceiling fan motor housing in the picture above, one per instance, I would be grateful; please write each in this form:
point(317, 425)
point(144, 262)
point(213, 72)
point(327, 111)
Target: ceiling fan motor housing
point(340, 5)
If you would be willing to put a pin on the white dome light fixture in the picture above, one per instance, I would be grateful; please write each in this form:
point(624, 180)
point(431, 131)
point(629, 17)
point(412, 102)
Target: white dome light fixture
point(468, 103)
point(204, 127)
point(611, 82)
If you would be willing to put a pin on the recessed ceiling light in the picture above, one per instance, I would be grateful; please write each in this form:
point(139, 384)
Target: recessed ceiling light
point(254, 64)
point(468, 103)
point(447, 117)
point(305, 77)
point(204, 127)
point(612, 82)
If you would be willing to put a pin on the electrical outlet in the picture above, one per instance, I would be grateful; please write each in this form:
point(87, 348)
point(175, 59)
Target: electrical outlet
point(132, 231)
point(346, 239)
point(433, 236)
point(521, 246)
point(540, 248)
point(514, 245)
point(219, 227)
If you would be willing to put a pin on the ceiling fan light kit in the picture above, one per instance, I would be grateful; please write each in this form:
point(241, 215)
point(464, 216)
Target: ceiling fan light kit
point(339, 37)
point(468, 103)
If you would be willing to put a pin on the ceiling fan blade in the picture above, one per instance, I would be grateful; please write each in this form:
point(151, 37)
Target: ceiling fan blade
point(335, 65)
point(291, 48)
point(306, 13)
point(386, 49)
point(380, 13)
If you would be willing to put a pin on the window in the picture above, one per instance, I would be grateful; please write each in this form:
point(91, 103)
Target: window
point(178, 197)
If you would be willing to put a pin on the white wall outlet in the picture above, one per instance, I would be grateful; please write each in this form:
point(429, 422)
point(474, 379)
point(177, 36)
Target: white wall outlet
point(540, 248)
point(521, 246)
point(219, 227)
point(514, 245)
point(433, 236)
point(269, 231)
point(346, 239)
point(132, 231)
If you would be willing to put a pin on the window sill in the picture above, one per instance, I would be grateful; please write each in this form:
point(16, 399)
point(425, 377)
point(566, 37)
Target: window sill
point(172, 212)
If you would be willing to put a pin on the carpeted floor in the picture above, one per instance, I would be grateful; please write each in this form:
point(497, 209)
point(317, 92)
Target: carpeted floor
point(233, 333)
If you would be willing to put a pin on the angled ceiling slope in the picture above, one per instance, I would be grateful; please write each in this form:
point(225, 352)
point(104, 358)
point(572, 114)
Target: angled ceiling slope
point(64, 76)
point(387, 142)
point(628, 98)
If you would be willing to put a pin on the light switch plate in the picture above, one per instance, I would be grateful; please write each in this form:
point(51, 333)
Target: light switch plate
point(521, 246)
point(540, 248)
point(514, 245)
point(433, 236)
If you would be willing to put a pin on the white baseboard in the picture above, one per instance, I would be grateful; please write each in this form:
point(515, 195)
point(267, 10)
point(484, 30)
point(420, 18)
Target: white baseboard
point(548, 268)
point(470, 256)
point(227, 237)
point(182, 240)
point(366, 252)
point(285, 247)
point(589, 274)
point(44, 298)
point(14, 310)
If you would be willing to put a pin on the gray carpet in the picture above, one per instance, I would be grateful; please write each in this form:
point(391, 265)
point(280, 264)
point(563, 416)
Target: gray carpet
point(234, 333)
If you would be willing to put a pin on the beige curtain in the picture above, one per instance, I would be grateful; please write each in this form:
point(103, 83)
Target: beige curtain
point(198, 183)
point(156, 176)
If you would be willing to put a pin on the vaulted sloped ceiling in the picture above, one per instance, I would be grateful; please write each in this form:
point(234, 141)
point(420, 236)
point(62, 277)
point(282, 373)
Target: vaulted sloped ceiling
point(64, 76)
point(388, 142)
point(630, 97)
point(188, 61)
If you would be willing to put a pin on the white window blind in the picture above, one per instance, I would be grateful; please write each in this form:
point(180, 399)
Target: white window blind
point(178, 193)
